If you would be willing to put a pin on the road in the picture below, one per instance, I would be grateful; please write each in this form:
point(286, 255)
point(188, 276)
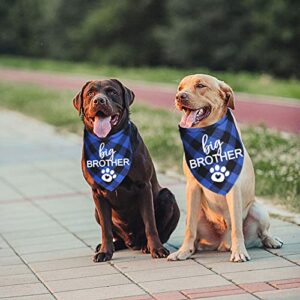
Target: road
point(275, 113)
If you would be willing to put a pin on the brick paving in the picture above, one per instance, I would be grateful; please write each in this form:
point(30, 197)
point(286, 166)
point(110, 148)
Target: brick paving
point(48, 231)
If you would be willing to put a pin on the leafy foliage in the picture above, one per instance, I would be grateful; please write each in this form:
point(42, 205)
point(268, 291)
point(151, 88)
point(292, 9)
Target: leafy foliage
point(233, 35)
point(251, 35)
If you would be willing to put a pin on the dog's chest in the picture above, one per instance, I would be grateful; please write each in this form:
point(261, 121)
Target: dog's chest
point(123, 197)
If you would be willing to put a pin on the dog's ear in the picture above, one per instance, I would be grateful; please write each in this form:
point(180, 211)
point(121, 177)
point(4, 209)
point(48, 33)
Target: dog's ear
point(127, 93)
point(227, 94)
point(78, 99)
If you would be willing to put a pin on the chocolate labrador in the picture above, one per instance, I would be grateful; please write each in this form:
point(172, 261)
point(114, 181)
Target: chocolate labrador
point(133, 210)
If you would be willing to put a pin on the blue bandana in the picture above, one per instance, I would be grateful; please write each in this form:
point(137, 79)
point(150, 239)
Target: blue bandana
point(214, 154)
point(108, 160)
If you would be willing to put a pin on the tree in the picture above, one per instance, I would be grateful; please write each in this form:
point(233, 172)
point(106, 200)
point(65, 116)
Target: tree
point(23, 27)
point(122, 32)
point(252, 35)
point(235, 35)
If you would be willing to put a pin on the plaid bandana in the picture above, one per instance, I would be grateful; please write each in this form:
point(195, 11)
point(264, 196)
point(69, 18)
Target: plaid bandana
point(214, 154)
point(108, 160)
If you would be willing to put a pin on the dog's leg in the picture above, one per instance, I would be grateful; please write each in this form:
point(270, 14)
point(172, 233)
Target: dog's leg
point(166, 214)
point(146, 207)
point(225, 242)
point(187, 249)
point(209, 238)
point(106, 250)
point(238, 249)
point(119, 244)
point(256, 228)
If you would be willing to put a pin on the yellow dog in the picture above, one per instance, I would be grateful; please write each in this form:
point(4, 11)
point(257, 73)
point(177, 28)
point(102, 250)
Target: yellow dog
point(216, 222)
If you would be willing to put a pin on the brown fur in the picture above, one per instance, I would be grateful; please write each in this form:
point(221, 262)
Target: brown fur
point(139, 214)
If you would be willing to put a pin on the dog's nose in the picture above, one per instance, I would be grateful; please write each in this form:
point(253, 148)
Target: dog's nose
point(183, 96)
point(99, 101)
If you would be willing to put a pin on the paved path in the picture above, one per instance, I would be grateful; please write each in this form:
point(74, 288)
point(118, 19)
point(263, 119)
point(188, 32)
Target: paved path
point(48, 231)
point(250, 109)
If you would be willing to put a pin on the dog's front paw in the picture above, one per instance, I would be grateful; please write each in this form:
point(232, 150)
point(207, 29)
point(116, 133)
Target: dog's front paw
point(181, 254)
point(159, 252)
point(145, 249)
point(239, 254)
point(273, 243)
point(102, 256)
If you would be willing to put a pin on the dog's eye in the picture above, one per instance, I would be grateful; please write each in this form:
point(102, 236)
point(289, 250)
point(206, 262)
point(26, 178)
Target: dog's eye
point(112, 92)
point(91, 93)
point(200, 86)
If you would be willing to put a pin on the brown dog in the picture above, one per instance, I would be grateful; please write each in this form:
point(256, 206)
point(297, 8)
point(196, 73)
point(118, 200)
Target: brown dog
point(139, 213)
point(216, 222)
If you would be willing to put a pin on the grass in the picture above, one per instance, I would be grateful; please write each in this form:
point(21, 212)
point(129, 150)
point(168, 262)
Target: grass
point(262, 84)
point(275, 155)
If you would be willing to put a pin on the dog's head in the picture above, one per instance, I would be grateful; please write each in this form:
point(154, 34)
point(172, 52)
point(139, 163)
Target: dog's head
point(104, 106)
point(204, 100)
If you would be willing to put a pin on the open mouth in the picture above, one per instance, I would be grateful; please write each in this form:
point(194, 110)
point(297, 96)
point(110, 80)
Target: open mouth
point(103, 123)
point(192, 117)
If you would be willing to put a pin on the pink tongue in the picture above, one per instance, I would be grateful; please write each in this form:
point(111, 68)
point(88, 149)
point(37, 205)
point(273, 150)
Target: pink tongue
point(188, 119)
point(102, 126)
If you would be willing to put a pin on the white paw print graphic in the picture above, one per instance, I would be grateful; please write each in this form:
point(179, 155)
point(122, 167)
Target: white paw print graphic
point(218, 174)
point(108, 175)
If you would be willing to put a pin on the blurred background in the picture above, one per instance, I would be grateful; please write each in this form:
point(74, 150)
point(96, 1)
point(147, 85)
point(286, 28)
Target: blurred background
point(51, 47)
point(233, 35)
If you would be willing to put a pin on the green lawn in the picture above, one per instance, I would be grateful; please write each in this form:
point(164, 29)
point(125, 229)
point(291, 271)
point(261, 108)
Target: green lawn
point(275, 155)
point(241, 82)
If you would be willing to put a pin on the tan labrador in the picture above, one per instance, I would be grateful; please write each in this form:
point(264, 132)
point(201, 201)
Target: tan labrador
point(215, 222)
